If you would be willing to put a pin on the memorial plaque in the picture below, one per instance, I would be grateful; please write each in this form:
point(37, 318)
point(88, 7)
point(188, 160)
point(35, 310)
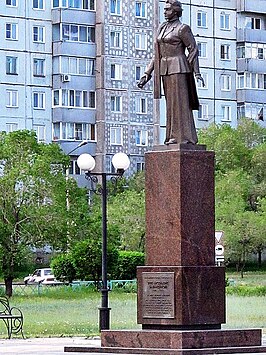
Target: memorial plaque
point(158, 295)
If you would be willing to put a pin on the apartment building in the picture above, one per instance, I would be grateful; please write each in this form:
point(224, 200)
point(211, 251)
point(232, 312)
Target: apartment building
point(26, 61)
point(70, 69)
point(71, 72)
point(231, 37)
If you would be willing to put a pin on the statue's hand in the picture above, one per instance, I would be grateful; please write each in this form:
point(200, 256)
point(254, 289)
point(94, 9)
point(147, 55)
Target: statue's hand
point(200, 78)
point(143, 80)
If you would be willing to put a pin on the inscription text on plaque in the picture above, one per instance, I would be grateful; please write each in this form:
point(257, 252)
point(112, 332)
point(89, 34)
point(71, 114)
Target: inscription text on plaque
point(158, 295)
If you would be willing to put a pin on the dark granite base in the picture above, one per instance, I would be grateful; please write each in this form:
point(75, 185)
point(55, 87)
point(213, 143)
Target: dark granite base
point(197, 297)
point(102, 350)
point(177, 342)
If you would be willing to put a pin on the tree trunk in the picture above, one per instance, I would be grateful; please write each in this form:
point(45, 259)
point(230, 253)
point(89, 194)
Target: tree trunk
point(259, 258)
point(8, 284)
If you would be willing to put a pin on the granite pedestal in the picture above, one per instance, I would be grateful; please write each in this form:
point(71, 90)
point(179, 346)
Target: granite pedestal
point(181, 293)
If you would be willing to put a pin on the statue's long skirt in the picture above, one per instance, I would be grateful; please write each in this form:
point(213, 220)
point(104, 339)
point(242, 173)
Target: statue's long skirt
point(179, 95)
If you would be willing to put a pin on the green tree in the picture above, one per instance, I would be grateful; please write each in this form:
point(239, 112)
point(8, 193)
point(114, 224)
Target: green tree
point(63, 267)
point(127, 210)
point(32, 198)
point(240, 186)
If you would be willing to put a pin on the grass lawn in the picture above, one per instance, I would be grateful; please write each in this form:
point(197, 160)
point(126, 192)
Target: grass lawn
point(250, 278)
point(72, 313)
point(64, 312)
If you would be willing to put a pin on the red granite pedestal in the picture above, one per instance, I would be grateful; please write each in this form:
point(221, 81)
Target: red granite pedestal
point(181, 293)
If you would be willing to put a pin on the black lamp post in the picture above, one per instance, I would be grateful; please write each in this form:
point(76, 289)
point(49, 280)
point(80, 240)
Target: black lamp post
point(87, 163)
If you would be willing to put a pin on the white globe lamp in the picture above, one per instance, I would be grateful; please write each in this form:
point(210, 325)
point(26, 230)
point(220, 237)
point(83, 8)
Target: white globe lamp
point(120, 162)
point(86, 162)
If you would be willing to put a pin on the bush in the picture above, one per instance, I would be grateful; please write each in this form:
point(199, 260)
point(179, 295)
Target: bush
point(127, 265)
point(244, 290)
point(63, 268)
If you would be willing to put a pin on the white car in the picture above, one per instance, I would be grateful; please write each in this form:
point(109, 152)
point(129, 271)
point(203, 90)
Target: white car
point(41, 276)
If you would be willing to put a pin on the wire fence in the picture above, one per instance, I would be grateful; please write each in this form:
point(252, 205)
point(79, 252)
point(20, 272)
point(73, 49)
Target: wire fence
point(20, 289)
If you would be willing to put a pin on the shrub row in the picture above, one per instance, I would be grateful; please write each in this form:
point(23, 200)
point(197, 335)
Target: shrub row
point(244, 290)
point(124, 267)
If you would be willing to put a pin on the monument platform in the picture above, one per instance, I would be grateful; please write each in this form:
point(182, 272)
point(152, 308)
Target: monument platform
point(164, 342)
point(181, 292)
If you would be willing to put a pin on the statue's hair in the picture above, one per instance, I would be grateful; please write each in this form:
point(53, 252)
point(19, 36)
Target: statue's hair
point(177, 6)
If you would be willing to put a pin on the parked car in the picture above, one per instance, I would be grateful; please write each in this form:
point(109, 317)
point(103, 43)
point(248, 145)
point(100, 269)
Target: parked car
point(41, 276)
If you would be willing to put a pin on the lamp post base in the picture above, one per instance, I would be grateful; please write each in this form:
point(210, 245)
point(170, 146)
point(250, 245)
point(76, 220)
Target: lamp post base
point(104, 321)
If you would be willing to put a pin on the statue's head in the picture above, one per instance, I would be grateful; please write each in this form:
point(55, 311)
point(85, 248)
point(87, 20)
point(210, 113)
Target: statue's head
point(176, 5)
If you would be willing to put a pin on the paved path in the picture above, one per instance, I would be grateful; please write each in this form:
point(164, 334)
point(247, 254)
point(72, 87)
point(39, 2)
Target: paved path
point(51, 346)
point(42, 346)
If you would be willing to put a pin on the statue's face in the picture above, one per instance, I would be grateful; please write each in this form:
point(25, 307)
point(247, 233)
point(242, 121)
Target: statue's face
point(169, 12)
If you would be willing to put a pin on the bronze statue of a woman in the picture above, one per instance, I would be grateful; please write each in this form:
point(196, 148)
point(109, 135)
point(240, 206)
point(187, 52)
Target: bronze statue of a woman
point(177, 70)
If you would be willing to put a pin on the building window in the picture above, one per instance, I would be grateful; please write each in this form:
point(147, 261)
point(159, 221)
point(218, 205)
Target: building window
point(116, 71)
point(141, 9)
point(241, 81)
point(11, 65)
point(253, 23)
point(140, 167)
point(74, 65)
point(202, 47)
point(200, 83)
point(40, 132)
point(38, 4)
point(225, 82)
point(116, 136)
point(38, 67)
point(74, 98)
point(115, 39)
point(141, 41)
point(202, 19)
point(141, 105)
point(116, 103)
point(91, 4)
point(203, 112)
point(92, 99)
point(139, 71)
point(75, 4)
point(141, 137)
point(261, 81)
point(224, 21)
point(11, 98)
point(12, 31)
point(74, 168)
point(225, 51)
point(11, 127)
point(260, 54)
point(74, 131)
point(11, 2)
point(38, 34)
point(115, 7)
point(39, 100)
point(78, 4)
point(240, 50)
point(226, 113)
point(75, 33)
point(251, 50)
point(251, 81)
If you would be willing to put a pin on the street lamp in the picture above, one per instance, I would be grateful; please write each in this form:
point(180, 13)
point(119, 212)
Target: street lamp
point(81, 144)
point(120, 162)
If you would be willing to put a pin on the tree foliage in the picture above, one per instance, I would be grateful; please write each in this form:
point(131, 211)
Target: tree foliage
point(127, 210)
point(33, 207)
point(240, 186)
point(127, 263)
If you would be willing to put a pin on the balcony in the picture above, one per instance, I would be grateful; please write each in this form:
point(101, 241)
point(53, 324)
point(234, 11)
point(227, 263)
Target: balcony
point(251, 65)
point(73, 16)
point(248, 35)
point(251, 6)
point(251, 95)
